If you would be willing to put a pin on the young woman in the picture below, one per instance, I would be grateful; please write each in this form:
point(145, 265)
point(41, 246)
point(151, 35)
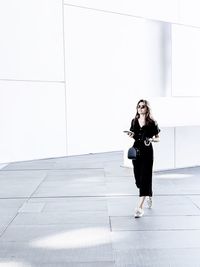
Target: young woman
point(145, 131)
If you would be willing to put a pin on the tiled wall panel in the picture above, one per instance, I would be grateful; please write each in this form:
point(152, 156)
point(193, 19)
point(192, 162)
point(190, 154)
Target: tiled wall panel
point(31, 46)
point(187, 146)
point(32, 119)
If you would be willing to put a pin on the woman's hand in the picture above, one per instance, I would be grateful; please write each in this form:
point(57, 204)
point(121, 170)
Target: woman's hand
point(154, 139)
point(130, 134)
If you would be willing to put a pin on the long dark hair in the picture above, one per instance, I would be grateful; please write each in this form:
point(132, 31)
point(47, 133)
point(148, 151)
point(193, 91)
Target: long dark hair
point(149, 117)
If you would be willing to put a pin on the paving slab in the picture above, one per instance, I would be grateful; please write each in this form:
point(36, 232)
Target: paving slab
point(8, 211)
point(78, 211)
point(162, 205)
point(76, 205)
point(155, 239)
point(121, 188)
point(122, 205)
point(7, 217)
point(7, 205)
point(70, 178)
point(2, 229)
point(49, 218)
point(3, 165)
point(76, 173)
point(15, 263)
point(30, 166)
point(157, 258)
point(57, 237)
point(62, 189)
point(32, 253)
point(31, 207)
point(195, 200)
point(90, 164)
point(155, 223)
point(115, 171)
point(68, 199)
point(19, 184)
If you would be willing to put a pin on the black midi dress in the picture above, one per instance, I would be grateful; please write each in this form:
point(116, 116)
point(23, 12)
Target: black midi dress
point(143, 165)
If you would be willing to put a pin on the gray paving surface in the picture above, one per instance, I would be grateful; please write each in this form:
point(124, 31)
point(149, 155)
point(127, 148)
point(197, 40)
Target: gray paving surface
point(78, 212)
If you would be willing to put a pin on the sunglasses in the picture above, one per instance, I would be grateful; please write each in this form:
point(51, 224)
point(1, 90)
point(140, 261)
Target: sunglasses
point(141, 106)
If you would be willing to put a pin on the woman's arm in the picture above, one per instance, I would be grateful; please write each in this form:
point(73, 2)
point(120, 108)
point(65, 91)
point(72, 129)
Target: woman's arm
point(155, 138)
point(131, 129)
point(131, 134)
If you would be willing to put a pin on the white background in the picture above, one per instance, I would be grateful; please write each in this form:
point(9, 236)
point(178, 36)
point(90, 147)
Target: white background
point(70, 76)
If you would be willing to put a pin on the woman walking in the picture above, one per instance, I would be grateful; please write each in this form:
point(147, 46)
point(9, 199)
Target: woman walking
point(145, 131)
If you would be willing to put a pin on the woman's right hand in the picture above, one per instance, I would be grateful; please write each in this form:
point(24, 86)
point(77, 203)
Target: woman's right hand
point(131, 134)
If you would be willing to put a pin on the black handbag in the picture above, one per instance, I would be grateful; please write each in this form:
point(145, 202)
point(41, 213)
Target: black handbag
point(132, 153)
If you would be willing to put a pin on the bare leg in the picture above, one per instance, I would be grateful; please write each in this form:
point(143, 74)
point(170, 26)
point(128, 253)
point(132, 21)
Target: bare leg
point(139, 211)
point(141, 202)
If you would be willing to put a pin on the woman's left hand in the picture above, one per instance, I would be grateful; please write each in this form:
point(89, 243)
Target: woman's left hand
point(154, 139)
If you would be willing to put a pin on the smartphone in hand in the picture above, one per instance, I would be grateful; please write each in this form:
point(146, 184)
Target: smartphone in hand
point(128, 132)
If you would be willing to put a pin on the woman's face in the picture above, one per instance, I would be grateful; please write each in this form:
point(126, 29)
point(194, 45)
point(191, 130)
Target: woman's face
point(141, 108)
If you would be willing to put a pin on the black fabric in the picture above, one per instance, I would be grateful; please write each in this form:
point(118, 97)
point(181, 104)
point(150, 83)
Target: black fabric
point(143, 165)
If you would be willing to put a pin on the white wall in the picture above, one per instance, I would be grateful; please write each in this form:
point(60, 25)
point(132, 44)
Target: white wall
point(72, 71)
point(189, 12)
point(184, 12)
point(32, 83)
point(187, 146)
point(176, 111)
point(162, 10)
point(31, 46)
point(186, 61)
point(32, 120)
point(108, 67)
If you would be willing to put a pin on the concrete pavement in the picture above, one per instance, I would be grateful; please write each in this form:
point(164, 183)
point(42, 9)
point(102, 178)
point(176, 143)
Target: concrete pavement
point(78, 211)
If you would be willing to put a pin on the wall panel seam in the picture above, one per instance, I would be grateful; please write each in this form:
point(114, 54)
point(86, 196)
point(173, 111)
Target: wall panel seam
point(64, 66)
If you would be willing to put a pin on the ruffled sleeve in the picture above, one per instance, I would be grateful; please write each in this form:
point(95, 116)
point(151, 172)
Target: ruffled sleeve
point(155, 128)
point(132, 128)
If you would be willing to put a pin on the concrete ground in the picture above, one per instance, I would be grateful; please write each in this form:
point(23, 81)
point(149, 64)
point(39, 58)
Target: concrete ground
point(78, 212)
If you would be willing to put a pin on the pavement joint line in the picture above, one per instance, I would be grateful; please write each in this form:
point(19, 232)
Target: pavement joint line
point(156, 230)
point(194, 203)
point(154, 215)
point(100, 196)
point(53, 169)
point(26, 200)
point(4, 230)
point(37, 187)
point(110, 223)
